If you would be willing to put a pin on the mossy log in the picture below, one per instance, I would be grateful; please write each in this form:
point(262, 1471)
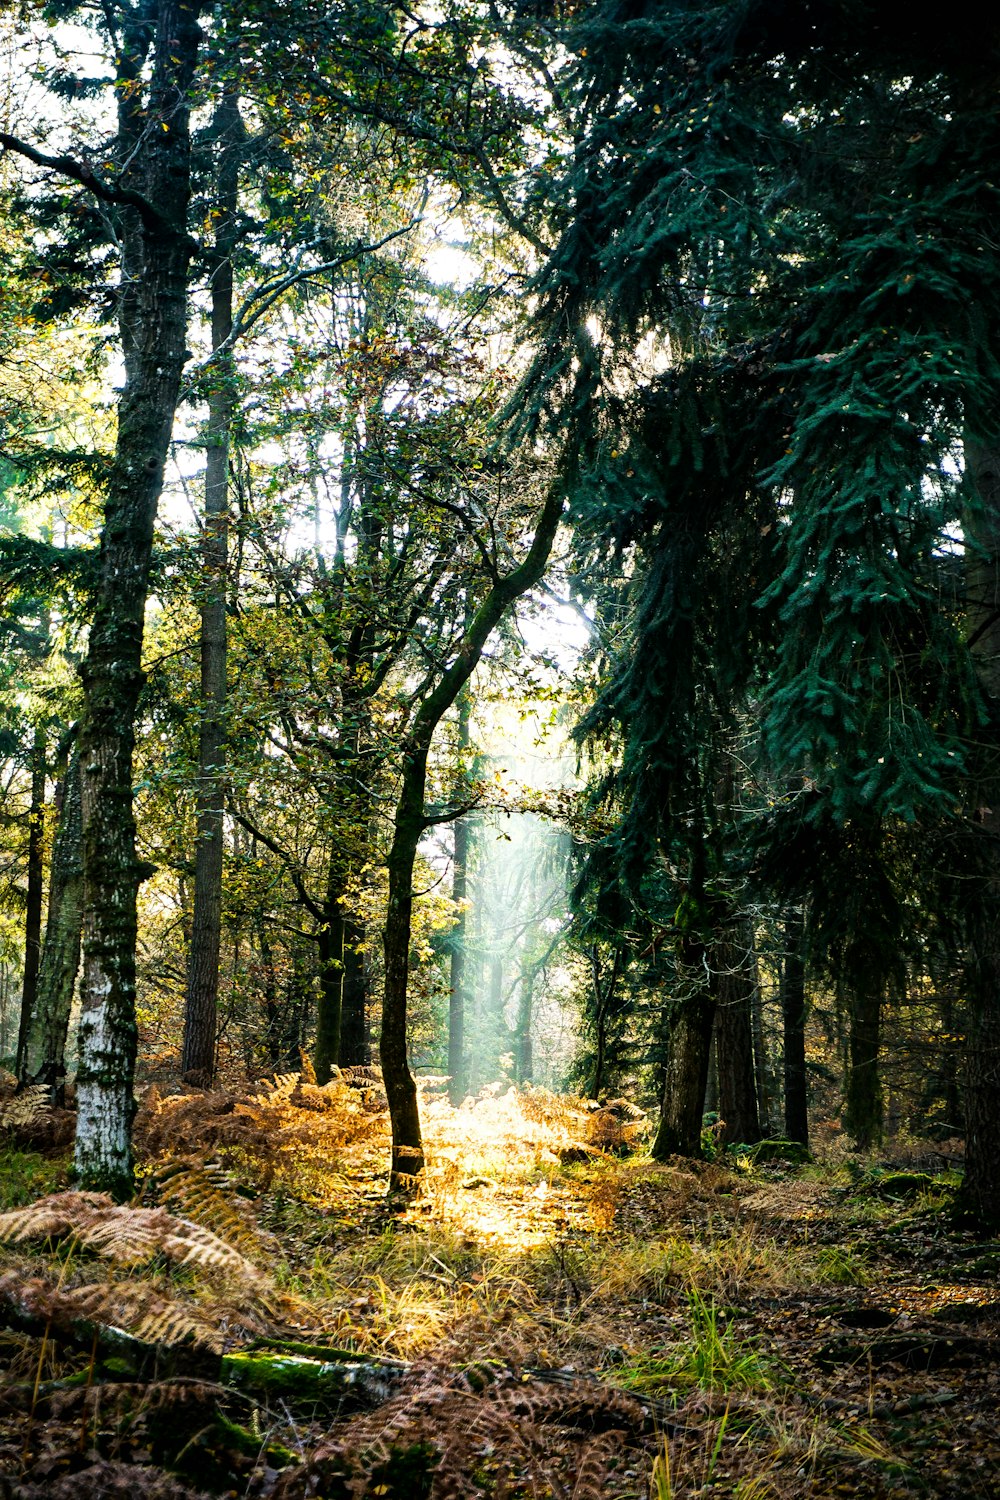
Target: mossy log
point(311, 1373)
point(345, 1379)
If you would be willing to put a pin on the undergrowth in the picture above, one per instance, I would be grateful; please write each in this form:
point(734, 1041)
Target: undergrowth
point(560, 1318)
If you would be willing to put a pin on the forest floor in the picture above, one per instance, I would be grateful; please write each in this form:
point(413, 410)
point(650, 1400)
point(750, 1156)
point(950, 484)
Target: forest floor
point(550, 1319)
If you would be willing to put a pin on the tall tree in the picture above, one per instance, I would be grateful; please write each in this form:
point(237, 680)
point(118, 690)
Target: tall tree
point(796, 303)
point(201, 1004)
point(155, 47)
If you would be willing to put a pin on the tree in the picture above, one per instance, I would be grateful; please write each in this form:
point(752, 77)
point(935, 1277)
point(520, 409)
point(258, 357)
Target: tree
point(757, 219)
point(411, 820)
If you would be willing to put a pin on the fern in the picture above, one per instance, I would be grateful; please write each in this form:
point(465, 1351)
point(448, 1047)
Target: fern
point(127, 1235)
point(201, 1192)
point(25, 1110)
point(521, 1432)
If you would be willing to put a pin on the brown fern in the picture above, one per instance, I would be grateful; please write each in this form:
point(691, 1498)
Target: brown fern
point(127, 1235)
point(521, 1429)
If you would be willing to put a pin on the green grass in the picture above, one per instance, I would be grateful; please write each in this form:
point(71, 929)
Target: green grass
point(26, 1175)
point(712, 1358)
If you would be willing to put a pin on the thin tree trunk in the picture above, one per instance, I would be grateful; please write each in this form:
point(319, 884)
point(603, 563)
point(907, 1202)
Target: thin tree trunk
point(355, 1038)
point(523, 1055)
point(60, 961)
point(605, 996)
point(401, 1090)
point(712, 1082)
point(202, 1000)
point(458, 939)
point(761, 1055)
point(407, 1143)
point(459, 894)
point(154, 150)
point(793, 1020)
point(331, 975)
point(738, 1106)
point(33, 909)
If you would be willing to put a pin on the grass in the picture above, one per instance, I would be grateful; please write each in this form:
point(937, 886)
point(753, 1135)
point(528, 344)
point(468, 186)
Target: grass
point(711, 1357)
point(26, 1175)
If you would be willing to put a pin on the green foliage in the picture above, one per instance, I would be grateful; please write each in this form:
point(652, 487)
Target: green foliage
point(27, 1175)
point(713, 1358)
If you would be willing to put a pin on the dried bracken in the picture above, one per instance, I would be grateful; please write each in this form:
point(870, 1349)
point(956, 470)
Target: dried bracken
point(513, 1428)
point(125, 1234)
point(288, 1130)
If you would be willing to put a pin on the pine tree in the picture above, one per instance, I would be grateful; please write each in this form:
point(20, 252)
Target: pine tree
point(768, 324)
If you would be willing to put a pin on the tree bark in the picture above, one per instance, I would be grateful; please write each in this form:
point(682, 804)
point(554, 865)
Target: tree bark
point(738, 1107)
point(153, 149)
point(60, 961)
point(981, 1188)
point(685, 1079)
point(864, 1108)
point(202, 999)
point(410, 821)
point(688, 1044)
point(33, 909)
point(793, 1020)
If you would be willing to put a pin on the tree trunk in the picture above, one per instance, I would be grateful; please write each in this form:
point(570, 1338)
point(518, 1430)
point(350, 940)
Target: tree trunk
point(459, 894)
point(60, 961)
point(738, 1106)
point(761, 1055)
point(523, 1058)
point(686, 1072)
point(330, 1003)
point(355, 1037)
point(605, 992)
point(864, 1109)
point(981, 1189)
point(154, 152)
point(793, 1021)
point(201, 1006)
point(269, 987)
point(457, 999)
point(33, 911)
point(401, 1091)
point(407, 1144)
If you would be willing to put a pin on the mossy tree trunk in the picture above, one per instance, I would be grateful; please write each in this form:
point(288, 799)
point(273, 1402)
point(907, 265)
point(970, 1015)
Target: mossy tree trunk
point(409, 824)
point(153, 149)
point(201, 1001)
point(60, 960)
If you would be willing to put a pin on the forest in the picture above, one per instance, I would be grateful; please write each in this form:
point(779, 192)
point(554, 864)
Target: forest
point(499, 750)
